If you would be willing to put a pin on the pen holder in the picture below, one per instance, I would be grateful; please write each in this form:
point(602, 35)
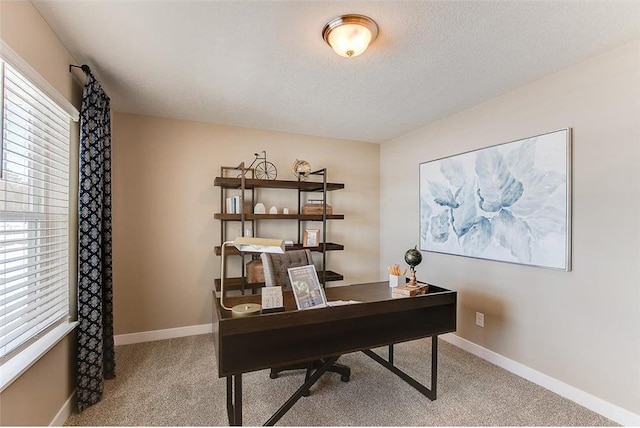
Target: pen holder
point(395, 280)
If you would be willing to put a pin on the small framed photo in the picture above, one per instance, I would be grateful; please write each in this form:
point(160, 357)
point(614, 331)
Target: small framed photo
point(311, 238)
point(306, 287)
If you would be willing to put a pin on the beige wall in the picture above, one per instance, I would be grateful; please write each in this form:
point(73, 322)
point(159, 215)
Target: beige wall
point(580, 327)
point(51, 381)
point(41, 392)
point(164, 201)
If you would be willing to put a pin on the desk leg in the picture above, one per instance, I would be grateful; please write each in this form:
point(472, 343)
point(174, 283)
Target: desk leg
point(429, 393)
point(230, 399)
point(434, 367)
point(234, 399)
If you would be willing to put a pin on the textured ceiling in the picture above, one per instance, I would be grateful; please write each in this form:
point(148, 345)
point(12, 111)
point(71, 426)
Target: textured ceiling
point(263, 64)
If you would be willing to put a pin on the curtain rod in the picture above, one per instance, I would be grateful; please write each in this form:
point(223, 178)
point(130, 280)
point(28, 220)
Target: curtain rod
point(84, 68)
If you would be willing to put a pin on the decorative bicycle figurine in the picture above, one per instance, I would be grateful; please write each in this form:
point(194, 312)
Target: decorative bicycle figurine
point(264, 170)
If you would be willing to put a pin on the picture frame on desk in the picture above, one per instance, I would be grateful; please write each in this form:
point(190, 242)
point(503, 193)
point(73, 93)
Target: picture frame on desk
point(311, 238)
point(306, 287)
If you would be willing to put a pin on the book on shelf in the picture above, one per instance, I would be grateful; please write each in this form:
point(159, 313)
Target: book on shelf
point(233, 205)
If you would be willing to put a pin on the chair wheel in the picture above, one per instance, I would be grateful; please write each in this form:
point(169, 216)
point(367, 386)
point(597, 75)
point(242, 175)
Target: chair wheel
point(344, 378)
point(273, 375)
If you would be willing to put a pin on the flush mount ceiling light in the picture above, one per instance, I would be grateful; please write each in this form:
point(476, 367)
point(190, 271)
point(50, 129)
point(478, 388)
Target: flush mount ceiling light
point(350, 35)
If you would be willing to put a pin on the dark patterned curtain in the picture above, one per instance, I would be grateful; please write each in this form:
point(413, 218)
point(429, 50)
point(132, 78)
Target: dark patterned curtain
point(96, 356)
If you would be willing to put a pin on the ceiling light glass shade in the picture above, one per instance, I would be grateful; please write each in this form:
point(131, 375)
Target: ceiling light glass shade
point(350, 35)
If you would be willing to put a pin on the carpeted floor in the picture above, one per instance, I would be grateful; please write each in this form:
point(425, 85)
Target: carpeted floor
point(175, 383)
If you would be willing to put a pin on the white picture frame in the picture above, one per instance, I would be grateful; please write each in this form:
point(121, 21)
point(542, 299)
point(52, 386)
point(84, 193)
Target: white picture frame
point(311, 238)
point(306, 287)
point(510, 202)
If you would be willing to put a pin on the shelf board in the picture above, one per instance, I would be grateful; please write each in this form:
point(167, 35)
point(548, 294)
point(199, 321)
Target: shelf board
point(332, 276)
point(305, 217)
point(230, 250)
point(236, 283)
point(252, 183)
point(330, 247)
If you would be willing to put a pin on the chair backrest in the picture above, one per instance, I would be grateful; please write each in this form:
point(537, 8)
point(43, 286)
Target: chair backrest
point(275, 266)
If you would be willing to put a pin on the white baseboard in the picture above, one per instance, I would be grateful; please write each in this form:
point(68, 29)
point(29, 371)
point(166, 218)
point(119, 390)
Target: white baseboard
point(598, 405)
point(170, 333)
point(64, 412)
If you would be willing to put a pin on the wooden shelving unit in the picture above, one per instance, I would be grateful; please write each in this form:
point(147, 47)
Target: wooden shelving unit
point(248, 187)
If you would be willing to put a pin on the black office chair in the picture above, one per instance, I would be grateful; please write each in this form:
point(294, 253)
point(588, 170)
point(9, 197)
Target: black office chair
point(275, 273)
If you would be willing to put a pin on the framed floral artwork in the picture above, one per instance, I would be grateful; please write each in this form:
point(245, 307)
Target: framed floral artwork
point(509, 202)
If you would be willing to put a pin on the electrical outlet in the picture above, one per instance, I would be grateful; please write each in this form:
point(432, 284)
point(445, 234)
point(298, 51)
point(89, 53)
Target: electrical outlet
point(480, 319)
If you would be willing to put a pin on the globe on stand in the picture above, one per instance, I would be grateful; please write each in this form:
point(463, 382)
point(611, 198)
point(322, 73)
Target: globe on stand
point(413, 258)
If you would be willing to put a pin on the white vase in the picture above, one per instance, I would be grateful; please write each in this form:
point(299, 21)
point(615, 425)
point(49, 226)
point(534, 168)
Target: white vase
point(259, 208)
point(273, 210)
point(395, 280)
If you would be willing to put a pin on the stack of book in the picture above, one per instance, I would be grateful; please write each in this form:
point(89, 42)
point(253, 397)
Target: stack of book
point(234, 205)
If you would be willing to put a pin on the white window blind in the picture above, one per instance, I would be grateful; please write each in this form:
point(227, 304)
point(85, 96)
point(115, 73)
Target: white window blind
point(34, 213)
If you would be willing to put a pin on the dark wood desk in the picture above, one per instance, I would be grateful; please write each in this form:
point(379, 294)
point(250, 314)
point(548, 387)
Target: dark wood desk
point(255, 343)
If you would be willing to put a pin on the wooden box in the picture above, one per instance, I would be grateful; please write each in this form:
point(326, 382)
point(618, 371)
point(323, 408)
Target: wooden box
point(408, 290)
point(315, 209)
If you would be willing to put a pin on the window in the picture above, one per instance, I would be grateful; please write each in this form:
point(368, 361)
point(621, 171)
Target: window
point(34, 213)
